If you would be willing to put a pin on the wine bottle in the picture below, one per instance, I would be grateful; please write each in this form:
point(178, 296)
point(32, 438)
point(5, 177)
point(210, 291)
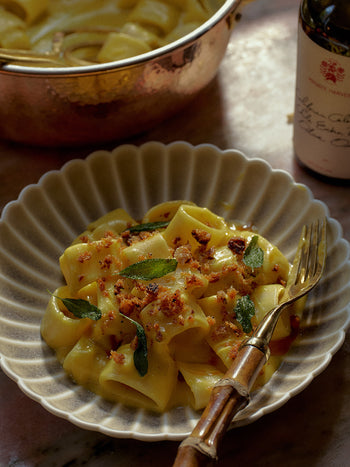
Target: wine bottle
point(322, 98)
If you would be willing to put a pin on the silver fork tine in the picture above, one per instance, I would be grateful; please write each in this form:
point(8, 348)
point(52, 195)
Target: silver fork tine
point(321, 249)
point(309, 264)
point(301, 257)
point(311, 245)
point(305, 255)
point(317, 250)
point(314, 242)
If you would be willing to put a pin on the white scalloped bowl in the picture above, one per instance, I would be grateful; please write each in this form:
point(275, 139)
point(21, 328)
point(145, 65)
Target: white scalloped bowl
point(35, 229)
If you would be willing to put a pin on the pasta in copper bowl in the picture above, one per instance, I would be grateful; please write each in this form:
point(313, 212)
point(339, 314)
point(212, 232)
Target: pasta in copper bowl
point(84, 32)
point(82, 72)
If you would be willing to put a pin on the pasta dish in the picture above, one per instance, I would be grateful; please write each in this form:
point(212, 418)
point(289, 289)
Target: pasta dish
point(153, 312)
point(97, 31)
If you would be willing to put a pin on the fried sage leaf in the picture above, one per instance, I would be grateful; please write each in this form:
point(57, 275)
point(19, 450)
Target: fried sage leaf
point(149, 226)
point(141, 352)
point(149, 269)
point(245, 310)
point(253, 254)
point(81, 308)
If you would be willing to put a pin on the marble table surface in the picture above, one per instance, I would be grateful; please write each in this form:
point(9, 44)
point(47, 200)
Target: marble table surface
point(247, 107)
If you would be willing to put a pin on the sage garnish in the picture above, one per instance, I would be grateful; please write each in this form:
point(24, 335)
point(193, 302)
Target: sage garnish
point(140, 353)
point(149, 269)
point(245, 310)
point(253, 254)
point(81, 308)
point(149, 226)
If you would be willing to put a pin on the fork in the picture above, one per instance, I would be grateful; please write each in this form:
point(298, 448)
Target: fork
point(231, 393)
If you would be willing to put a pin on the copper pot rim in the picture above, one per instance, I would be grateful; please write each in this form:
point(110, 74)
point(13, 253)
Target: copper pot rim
point(227, 8)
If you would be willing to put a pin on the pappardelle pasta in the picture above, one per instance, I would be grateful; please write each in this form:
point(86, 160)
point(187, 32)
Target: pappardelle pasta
point(95, 31)
point(153, 313)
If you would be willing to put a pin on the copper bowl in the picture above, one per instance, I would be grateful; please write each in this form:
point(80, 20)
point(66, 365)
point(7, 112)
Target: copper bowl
point(111, 101)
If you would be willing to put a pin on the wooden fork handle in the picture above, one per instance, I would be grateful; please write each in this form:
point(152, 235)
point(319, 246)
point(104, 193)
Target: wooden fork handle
point(199, 449)
point(188, 456)
point(228, 397)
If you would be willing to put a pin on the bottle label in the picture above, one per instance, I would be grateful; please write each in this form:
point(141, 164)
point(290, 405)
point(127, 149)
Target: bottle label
point(322, 109)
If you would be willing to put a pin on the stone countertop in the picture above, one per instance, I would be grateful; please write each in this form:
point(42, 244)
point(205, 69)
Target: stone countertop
point(247, 107)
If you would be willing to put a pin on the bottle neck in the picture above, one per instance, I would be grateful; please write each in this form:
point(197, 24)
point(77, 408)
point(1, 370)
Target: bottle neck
point(327, 22)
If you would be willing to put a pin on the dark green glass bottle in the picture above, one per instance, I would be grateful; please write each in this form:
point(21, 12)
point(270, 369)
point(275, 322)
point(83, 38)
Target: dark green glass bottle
point(322, 105)
point(327, 22)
